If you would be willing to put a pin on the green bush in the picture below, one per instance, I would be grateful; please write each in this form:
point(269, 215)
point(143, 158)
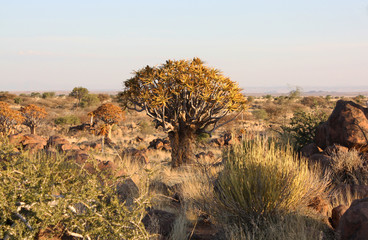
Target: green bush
point(67, 120)
point(51, 192)
point(302, 127)
point(89, 100)
point(261, 180)
point(48, 94)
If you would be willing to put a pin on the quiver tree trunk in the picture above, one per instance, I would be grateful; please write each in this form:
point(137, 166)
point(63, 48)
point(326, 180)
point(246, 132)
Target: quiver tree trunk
point(182, 146)
point(33, 129)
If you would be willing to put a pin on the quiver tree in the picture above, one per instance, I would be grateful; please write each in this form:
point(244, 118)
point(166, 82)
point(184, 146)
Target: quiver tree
point(8, 118)
point(33, 115)
point(185, 98)
point(110, 114)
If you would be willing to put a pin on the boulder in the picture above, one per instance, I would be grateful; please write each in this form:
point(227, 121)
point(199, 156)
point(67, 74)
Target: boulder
point(353, 223)
point(127, 191)
point(203, 155)
point(310, 149)
point(337, 212)
point(160, 144)
point(347, 126)
point(58, 142)
point(159, 222)
point(29, 142)
point(323, 160)
point(334, 149)
point(136, 155)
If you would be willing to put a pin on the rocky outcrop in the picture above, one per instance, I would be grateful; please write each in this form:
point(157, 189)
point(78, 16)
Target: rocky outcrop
point(28, 142)
point(353, 223)
point(61, 144)
point(347, 126)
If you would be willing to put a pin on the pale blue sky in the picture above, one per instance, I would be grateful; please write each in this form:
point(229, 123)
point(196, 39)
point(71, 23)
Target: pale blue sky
point(57, 45)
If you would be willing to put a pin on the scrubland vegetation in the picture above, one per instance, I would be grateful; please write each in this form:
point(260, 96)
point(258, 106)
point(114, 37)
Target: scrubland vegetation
point(247, 179)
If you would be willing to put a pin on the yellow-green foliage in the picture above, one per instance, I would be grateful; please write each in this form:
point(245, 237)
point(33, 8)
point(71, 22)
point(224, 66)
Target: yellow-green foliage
point(261, 179)
point(183, 92)
point(41, 191)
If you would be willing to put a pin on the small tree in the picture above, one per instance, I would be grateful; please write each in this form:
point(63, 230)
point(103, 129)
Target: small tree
point(185, 98)
point(79, 93)
point(8, 118)
point(110, 114)
point(33, 115)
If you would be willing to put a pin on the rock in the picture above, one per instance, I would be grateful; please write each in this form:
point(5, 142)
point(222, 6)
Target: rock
point(88, 145)
point(136, 155)
point(334, 149)
point(157, 144)
point(203, 155)
point(323, 160)
point(353, 223)
point(346, 126)
point(159, 222)
point(127, 191)
point(15, 139)
point(337, 212)
point(79, 156)
point(139, 139)
point(310, 149)
point(28, 142)
point(82, 127)
point(320, 205)
point(58, 142)
point(109, 167)
point(219, 142)
point(33, 139)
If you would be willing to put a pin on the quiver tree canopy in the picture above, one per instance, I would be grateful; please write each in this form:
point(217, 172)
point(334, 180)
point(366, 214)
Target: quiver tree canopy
point(185, 98)
point(33, 115)
point(8, 118)
point(110, 114)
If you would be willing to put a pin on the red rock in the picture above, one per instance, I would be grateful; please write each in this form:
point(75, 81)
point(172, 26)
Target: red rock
point(346, 126)
point(337, 212)
point(310, 149)
point(334, 149)
point(353, 223)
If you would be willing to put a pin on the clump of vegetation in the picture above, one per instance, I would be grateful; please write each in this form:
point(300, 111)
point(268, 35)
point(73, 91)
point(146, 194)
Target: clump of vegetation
point(348, 168)
point(48, 94)
point(261, 180)
point(302, 127)
point(110, 114)
point(33, 115)
point(50, 194)
point(9, 118)
point(89, 100)
point(185, 98)
point(67, 120)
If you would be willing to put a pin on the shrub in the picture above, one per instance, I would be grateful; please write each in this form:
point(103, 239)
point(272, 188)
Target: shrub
point(260, 180)
point(48, 94)
point(302, 127)
point(67, 120)
point(349, 168)
point(89, 100)
point(53, 193)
